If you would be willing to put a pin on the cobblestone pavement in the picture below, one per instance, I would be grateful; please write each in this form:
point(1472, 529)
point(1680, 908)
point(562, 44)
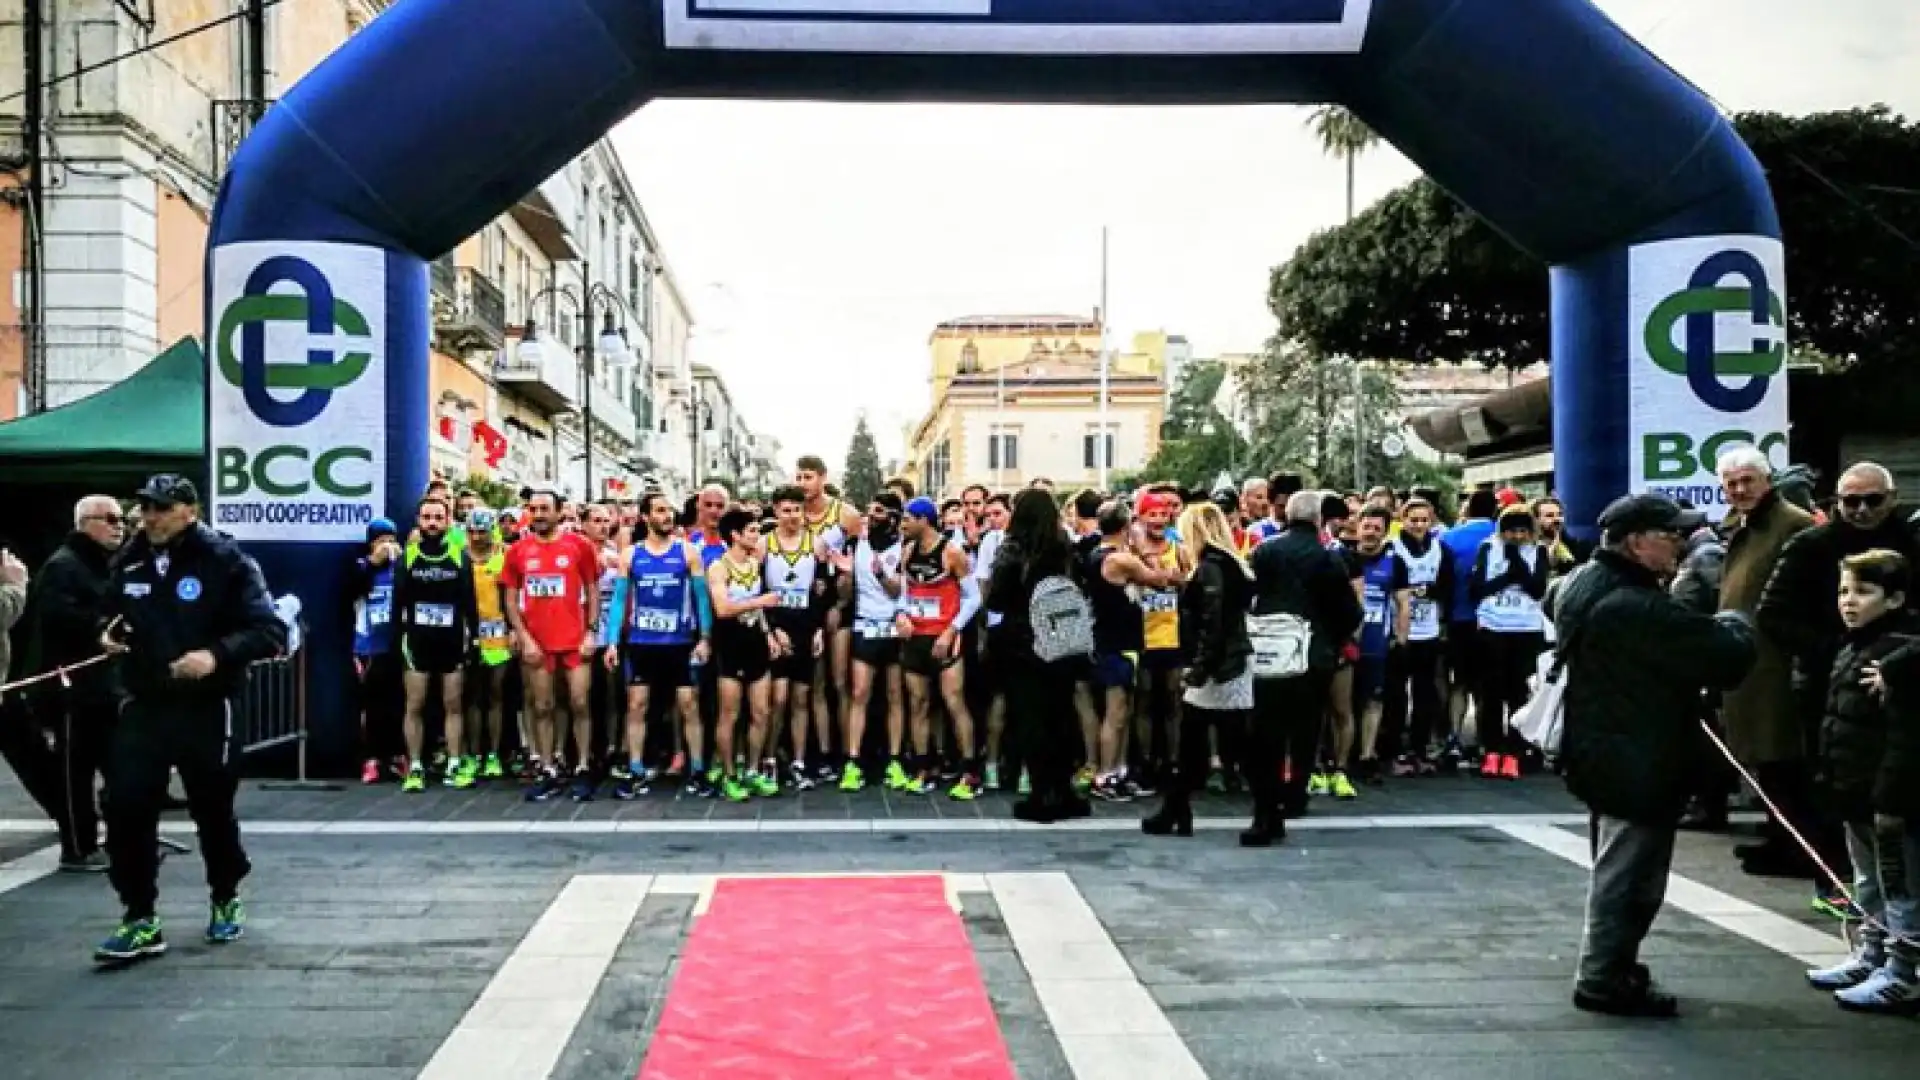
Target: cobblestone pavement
point(1426, 931)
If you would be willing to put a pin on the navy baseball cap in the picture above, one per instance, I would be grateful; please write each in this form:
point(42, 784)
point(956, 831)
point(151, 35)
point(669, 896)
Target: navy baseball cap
point(924, 508)
point(1631, 514)
point(166, 490)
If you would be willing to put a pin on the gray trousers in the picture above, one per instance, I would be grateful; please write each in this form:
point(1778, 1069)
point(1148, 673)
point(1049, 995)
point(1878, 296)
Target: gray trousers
point(1630, 866)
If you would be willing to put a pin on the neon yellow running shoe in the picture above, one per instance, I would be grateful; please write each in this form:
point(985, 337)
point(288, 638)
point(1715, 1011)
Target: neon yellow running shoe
point(732, 790)
point(963, 789)
point(1341, 787)
point(416, 780)
point(897, 778)
point(493, 770)
point(1319, 784)
point(1083, 780)
point(852, 779)
point(762, 785)
point(461, 773)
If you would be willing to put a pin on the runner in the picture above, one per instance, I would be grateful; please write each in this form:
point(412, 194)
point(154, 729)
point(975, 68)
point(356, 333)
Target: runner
point(1415, 680)
point(796, 574)
point(486, 683)
point(876, 641)
point(601, 729)
point(743, 655)
point(552, 582)
point(1385, 600)
point(373, 654)
point(433, 607)
point(1157, 712)
point(829, 522)
point(1114, 572)
point(982, 675)
point(665, 615)
point(941, 599)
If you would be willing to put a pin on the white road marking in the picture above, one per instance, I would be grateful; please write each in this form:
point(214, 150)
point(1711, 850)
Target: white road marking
point(1730, 913)
point(1108, 1025)
point(28, 869)
point(996, 826)
point(521, 1022)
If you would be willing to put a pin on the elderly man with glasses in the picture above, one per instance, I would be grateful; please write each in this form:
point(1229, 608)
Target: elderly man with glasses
point(1797, 611)
point(80, 709)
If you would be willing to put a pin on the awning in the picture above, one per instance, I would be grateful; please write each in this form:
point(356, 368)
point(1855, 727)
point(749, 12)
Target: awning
point(153, 421)
point(1518, 416)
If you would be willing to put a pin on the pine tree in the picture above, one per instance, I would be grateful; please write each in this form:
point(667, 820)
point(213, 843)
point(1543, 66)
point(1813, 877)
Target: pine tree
point(860, 481)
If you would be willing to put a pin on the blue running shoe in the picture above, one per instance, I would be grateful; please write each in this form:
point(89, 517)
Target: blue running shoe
point(136, 939)
point(632, 785)
point(545, 786)
point(227, 922)
point(584, 786)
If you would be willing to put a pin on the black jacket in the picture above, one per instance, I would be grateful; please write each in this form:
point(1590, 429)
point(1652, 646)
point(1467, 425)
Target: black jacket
point(211, 597)
point(66, 604)
point(1798, 610)
point(1869, 749)
point(1213, 619)
point(1636, 662)
point(1294, 575)
point(1009, 593)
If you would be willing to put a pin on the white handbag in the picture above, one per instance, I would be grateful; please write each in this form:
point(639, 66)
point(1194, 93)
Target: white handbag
point(1280, 645)
point(1541, 721)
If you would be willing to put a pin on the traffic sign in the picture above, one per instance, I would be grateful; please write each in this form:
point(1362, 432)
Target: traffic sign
point(1026, 27)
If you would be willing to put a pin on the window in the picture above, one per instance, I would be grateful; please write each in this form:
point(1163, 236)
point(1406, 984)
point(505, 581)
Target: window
point(1090, 449)
point(969, 359)
point(933, 474)
point(1003, 450)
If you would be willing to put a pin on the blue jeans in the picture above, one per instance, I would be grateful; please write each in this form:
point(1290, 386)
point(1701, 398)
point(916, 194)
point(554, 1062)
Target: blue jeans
point(1886, 885)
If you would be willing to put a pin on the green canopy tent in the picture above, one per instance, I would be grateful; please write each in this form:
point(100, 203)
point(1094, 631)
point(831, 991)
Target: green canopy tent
point(153, 421)
point(107, 444)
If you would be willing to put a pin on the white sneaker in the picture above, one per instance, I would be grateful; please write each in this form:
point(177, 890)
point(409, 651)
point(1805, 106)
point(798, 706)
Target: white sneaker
point(1882, 992)
point(1855, 970)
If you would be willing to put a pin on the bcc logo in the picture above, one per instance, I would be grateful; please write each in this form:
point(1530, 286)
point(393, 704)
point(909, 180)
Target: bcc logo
point(245, 364)
point(1706, 367)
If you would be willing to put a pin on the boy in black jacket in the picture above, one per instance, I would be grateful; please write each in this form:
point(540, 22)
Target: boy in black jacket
point(1870, 750)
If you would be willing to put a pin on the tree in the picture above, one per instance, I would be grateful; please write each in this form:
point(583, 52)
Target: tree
point(860, 481)
point(1197, 442)
point(1307, 411)
point(1418, 277)
point(1342, 135)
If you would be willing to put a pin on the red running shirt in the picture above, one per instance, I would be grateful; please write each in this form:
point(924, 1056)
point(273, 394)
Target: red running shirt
point(553, 577)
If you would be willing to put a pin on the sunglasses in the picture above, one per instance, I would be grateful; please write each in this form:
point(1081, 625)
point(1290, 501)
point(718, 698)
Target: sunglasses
point(111, 519)
point(1872, 500)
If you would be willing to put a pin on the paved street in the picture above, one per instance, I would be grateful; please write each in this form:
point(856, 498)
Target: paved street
point(1425, 931)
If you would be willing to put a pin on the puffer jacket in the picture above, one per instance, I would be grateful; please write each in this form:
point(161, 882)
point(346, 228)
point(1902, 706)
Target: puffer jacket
point(1867, 746)
point(1213, 619)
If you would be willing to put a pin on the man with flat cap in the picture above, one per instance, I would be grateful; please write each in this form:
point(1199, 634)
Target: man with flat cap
point(1636, 663)
point(185, 612)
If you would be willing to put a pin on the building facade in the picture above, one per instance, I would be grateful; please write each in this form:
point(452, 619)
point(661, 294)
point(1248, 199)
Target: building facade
point(1018, 398)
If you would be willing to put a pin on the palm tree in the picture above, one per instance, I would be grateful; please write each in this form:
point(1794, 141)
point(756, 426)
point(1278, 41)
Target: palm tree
point(1344, 135)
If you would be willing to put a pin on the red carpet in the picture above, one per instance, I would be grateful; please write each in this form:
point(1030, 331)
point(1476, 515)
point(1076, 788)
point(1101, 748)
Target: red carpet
point(828, 979)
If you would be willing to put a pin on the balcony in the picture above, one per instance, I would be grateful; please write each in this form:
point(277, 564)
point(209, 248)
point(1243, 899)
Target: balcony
point(612, 416)
point(547, 214)
point(476, 320)
point(232, 122)
point(548, 379)
point(446, 279)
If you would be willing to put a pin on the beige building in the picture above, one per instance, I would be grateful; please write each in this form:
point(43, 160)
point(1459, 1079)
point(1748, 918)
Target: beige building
point(1017, 397)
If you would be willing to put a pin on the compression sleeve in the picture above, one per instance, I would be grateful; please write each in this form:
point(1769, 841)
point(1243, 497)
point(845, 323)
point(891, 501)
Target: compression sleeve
point(702, 604)
point(969, 601)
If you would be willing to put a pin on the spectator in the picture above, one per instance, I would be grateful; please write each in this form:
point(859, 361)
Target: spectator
point(1762, 726)
point(1636, 664)
point(66, 607)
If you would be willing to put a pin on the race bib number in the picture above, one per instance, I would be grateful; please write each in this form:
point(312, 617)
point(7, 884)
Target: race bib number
point(1376, 614)
point(437, 616)
point(493, 629)
point(379, 616)
point(793, 599)
point(1510, 599)
point(656, 621)
point(547, 587)
point(923, 607)
point(1425, 612)
point(875, 629)
point(1159, 601)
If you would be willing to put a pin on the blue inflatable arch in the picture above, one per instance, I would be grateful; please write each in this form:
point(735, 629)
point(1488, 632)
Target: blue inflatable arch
point(1543, 116)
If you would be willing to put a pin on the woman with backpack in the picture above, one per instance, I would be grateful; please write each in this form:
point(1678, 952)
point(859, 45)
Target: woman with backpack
point(1216, 654)
point(1031, 577)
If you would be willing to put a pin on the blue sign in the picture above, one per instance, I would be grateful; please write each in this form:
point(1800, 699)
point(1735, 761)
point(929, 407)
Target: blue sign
point(1028, 27)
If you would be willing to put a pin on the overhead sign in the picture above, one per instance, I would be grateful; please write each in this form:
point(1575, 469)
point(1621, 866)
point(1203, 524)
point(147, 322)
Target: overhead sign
point(297, 404)
point(1706, 361)
point(1029, 27)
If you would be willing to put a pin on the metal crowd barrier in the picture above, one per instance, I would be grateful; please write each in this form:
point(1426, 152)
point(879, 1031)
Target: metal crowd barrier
point(273, 707)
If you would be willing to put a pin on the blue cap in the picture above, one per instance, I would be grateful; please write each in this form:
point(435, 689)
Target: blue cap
point(381, 527)
point(924, 508)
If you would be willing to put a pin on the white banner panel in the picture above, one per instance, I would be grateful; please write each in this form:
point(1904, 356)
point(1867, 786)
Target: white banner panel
point(296, 388)
point(1706, 354)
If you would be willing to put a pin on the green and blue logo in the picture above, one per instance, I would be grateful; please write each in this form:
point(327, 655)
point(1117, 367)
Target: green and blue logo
point(1700, 360)
point(245, 364)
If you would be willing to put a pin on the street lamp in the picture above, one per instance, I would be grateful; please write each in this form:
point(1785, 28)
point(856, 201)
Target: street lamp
point(699, 421)
point(612, 345)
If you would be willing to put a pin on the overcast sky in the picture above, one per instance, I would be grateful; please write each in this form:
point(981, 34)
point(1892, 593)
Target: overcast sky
point(819, 244)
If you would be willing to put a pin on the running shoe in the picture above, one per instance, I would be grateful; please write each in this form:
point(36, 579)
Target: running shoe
point(545, 786)
point(583, 786)
point(1834, 904)
point(763, 785)
point(226, 922)
point(993, 776)
point(1112, 788)
point(493, 769)
point(1884, 992)
point(852, 779)
point(677, 767)
point(1318, 784)
point(732, 790)
point(370, 772)
point(1216, 781)
point(1340, 787)
point(135, 939)
point(1025, 786)
point(416, 780)
point(1509, 768)
point(799, 776)
point(698, 787)
point(1490, 765)
point(632, 785)
point(1405, 766)
point(897, 778)
point(963, 789)
point(1851, 972)
point(1083, 780)
point(462, 773)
